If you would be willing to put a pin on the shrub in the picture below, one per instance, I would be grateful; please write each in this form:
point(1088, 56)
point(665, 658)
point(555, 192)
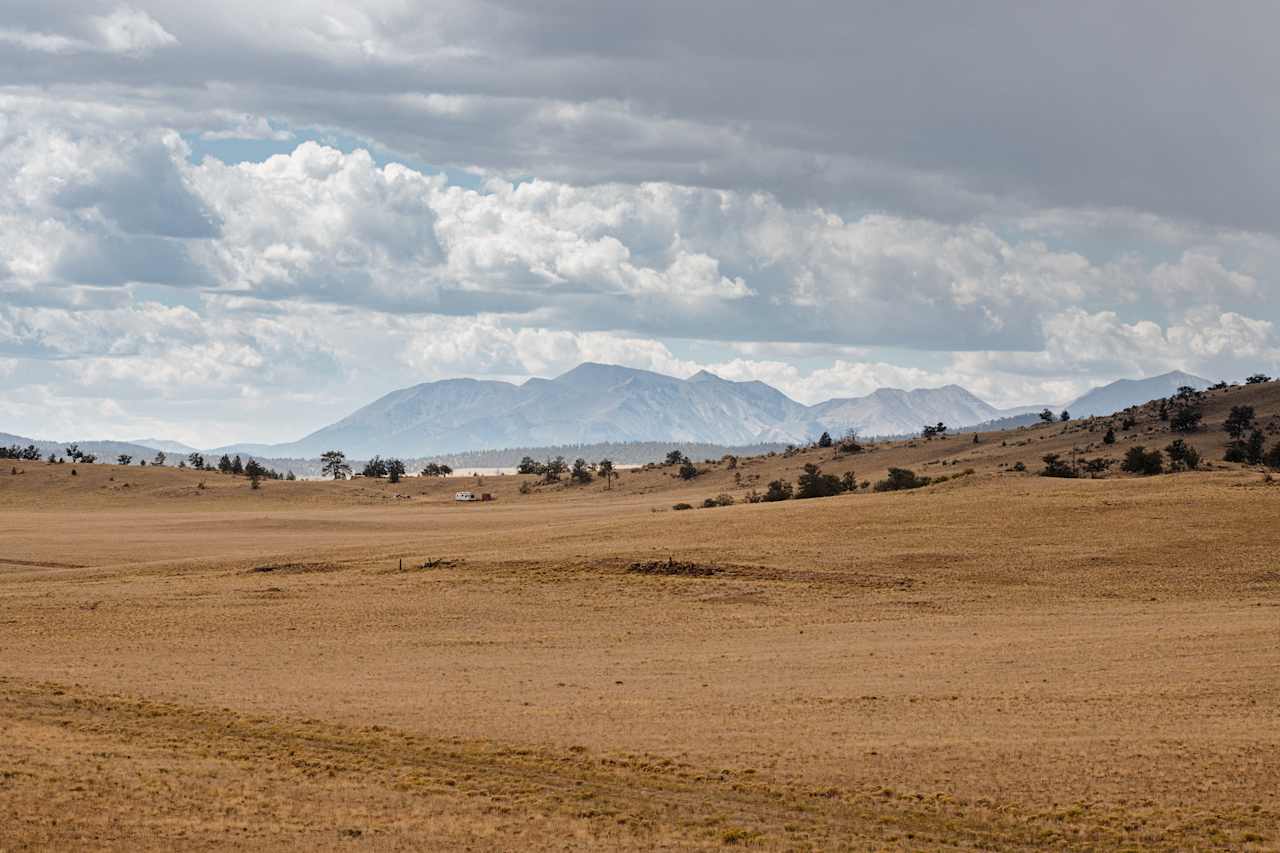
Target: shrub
point(849, 481)
point(1019, 466)
point(682, 506)
point(1110, 437)
point(1257, 379)
point(778, 490)
point(1128, 423)
point(687, 470)
point(526, 487)
point(1218, 386)
point(899, 479)
point(1138, 460)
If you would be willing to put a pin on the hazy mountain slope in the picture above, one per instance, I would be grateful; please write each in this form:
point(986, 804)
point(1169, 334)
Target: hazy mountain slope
point(595, 403)
point(165, 445)
point(1124, 393)
point(600, 403)
point(890, 411)
point(106, 451)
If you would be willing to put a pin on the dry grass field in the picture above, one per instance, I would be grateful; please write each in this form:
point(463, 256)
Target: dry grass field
point(1001, 661)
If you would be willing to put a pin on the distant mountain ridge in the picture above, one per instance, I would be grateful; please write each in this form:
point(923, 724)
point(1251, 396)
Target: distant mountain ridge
point(596, 404)
point(1124, 393)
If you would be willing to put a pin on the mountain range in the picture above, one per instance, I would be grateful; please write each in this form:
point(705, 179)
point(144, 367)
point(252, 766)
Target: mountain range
point(600, 403)
point(595, 403)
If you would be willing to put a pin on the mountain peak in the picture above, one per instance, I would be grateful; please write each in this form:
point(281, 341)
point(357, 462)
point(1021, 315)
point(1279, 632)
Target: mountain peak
point(704, 376)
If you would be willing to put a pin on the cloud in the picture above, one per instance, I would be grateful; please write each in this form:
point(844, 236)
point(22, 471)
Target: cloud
point(131, 31)
point(124, 31)
point(941, 114)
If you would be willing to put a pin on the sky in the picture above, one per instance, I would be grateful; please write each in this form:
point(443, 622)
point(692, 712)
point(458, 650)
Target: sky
point(238, 221)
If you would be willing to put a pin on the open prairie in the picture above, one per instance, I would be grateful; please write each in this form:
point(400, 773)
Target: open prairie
point(1000, 661)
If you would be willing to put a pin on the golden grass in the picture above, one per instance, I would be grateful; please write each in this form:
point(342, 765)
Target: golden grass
point(997, 662)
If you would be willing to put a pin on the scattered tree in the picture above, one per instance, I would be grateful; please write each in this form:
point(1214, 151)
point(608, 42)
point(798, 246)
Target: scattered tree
point(333, 463)
point(375, 467)
point(395, 470)
point(1186, 419)
point(815, 484)
point(1110, 437)
point(849, 481)
point(687, 470)
point(124, 459)
point(1239, 421)
point(224, 464)
point(1055, 467)
point(1046, 416)
point(778, 490)
point(196, 460)
point(1218, 386)
point(1065, 416)
point(1272, 459)
point(255, 472)
point(1254, 448)
point(1097, 466)
point(938, 430)
point(161, 457)
point(529, 465)
point(676, 457)
point(237, 467)
point(606, 470)
point(1257, 379)
point(1182, 456)
point(73, 452)
point(824, 440)
point(553, 469)
point(581, 473)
